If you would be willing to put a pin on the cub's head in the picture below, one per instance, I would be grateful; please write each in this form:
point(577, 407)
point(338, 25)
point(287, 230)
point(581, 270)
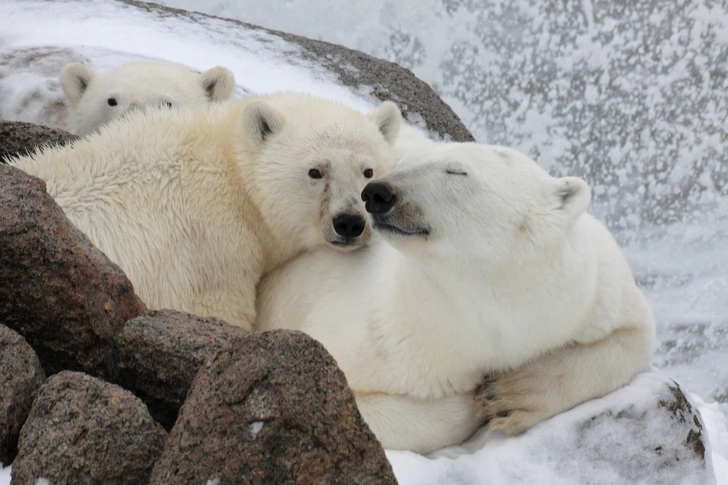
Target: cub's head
point(311, 160)
point(474, 204)
point(98, 97)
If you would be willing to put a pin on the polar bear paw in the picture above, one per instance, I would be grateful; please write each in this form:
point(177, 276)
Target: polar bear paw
point(516, 400)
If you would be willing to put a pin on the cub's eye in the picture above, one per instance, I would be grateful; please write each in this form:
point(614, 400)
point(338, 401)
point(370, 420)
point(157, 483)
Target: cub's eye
point(314, 174)
point(111, 101)
point(456, 172)
point(369, 173)
point(168, 104)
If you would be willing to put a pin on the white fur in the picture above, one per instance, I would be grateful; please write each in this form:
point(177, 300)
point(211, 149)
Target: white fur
point(137, 85)
point(511, 279)
point(196, 203)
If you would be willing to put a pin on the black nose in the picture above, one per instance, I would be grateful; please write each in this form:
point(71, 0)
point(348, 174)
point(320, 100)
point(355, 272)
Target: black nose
point(349, 225)
point(378, 197)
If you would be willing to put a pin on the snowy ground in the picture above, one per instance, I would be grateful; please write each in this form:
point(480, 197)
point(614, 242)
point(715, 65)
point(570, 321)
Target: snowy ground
point(631, 98)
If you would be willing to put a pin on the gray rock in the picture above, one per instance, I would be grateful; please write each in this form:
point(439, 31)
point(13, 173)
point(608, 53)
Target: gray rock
point(20, 378)
point(274, 408)
point(382, 79)
point(18, 138)
point(160, 353)
point(56, 289)
point(84, 431)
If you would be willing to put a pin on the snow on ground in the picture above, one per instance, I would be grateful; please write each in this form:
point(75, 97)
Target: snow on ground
point(647, 131)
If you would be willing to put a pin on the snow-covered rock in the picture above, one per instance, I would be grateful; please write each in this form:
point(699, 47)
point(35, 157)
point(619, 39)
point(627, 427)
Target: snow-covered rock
point(38, 38)
point(647, 433)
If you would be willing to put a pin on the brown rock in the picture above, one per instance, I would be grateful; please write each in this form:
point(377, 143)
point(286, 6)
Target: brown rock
point(160, 353)
point(83, 430)
point(20, 378)
point(19, 138)
point(273, 408)
point(56, 289)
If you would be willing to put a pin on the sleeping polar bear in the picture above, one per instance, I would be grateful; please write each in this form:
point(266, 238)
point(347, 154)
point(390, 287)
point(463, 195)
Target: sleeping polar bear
point(484, 265)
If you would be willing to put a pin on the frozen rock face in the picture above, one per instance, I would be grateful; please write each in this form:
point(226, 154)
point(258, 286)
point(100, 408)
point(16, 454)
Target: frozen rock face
point(262, 60)
point(647, 432)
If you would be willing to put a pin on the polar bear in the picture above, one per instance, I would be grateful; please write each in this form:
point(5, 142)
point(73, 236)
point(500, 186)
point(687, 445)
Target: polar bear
point(481, 264)
point(196, 203)
point(96, 98)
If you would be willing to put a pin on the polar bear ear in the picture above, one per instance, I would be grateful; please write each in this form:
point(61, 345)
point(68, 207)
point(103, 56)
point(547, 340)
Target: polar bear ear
point(571, 196)
point(261, 121)
point(75, 78)
point(387, 118)
point(218, 83)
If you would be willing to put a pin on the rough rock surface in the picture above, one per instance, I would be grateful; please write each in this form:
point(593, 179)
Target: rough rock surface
point(18, 138)
point(82, 430)
point(383, 79)
point(56, 289)
point(160, 353)
point(20, 378)
point(273, 408)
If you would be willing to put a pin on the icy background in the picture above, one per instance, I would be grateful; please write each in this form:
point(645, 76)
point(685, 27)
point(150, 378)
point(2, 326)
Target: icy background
point(630, 95)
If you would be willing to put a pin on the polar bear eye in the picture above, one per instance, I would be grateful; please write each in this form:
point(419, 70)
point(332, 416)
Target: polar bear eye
point(456, 172)
point(168, 104)
point(314, 174)
point(111, 101)
point(369, 173)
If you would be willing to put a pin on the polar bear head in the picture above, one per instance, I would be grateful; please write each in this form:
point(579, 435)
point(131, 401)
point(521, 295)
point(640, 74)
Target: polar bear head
point(312, 159)
point(473, 205)
point(98, 97)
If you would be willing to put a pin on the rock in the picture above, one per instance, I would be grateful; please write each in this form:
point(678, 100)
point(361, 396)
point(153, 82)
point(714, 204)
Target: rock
point(83, 430)
point(379, 78)
point(160, 353)
point(18, 138)
point(20, 378)
point(273, 408)
point(56, 289)
point(647, 432)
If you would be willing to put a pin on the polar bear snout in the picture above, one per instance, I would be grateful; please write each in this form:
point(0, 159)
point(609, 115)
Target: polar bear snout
point(379, 198)
point(349, 225)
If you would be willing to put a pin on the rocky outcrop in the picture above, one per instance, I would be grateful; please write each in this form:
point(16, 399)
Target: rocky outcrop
point(20, 378)
point(85, 431)
point(274, 408)
point(18, 138)
point(56, 288)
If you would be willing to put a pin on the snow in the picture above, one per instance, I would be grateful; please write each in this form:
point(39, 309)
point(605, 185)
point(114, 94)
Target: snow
point(630, 96)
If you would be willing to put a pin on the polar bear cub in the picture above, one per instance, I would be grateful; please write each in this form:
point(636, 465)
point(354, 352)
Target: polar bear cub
point(484, 264)
point(98, 97)
point(196, 203)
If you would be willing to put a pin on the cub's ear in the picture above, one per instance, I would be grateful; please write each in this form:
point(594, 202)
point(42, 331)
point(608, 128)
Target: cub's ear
point(387, 118)
point(75, 78)
point(260, 121)
point(218, 83)
point(570, 196)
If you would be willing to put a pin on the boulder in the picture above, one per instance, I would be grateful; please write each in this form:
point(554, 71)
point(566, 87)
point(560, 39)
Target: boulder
point(648, 432)
point(20, 378)
point(18, 138)
point(56, 289)
point(273, 408)
point(160, 353)
point(84, 431)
